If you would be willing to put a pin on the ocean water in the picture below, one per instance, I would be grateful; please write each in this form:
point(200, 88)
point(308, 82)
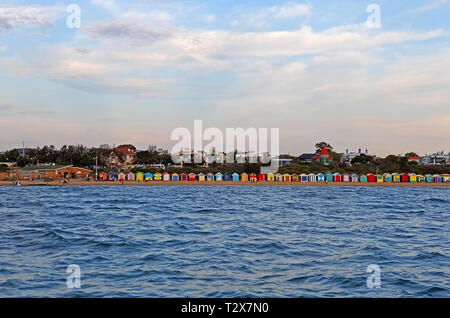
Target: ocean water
point(220, 241)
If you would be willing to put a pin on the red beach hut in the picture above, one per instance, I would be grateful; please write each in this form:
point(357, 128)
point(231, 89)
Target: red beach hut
point(261, 177)
point(103, 176)
point(183, 177)
point(404, 177)
point(371, 177)
point(253, 177)
point(192, 177)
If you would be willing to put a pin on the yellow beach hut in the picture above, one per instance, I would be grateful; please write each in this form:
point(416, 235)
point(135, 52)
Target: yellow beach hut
point(396, 177)
point(244, 177)
point(201, 177)
point(157, 176)
point(139, 176)
point(271, 177)
point(412, 177)
point(210, 177)
point(148, 176)
point(380, 178)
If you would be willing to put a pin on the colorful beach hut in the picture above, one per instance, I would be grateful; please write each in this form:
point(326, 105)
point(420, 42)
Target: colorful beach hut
point(253, 177)
point(279, 177)
point(329, 177)
point(380, 178)
point(210, 177)
point(371, 177)
point(157, 176)
point(271, 177)
point(139, 176)
point(412, 177)
point(420, 178)
point(175, 177)
point(131, 176)
point(286, 177)
point(244, 177)
point(192, 177)
point(446, 178)
point(363, 178)
point(429, 178)
point(437, 178)
point(201, 177)
point(387, 177)
point(227, 177)
point(235, 176)
point(103, 176)
point(166, 176)
point(346, 178)
point(337, 177)
point(261, 177)
point(113, 176)
point(219, 176)
point(320, 177)
point(355, 178)
point(304, 177)
point(312, 177)
point(404, 177)
point(148, 176)
point(295, 177)
point(396, 177)
point(183, 176)
point(122, 176)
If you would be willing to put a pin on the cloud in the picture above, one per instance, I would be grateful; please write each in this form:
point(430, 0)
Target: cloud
point(12, 17)
point(428, 7)
point(291, 10)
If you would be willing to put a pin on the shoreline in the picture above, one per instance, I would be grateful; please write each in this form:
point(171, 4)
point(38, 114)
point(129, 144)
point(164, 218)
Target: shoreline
point(227, 183)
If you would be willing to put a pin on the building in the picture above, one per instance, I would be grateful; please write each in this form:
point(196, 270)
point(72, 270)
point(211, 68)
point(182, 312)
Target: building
point(121, 156)
point(347, 157)
point(53, 172)
point(323, 157)
point(306, 157)
point(438, 158)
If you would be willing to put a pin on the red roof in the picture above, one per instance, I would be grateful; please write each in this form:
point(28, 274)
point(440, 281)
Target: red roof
point(324, 151)
point(126, 151)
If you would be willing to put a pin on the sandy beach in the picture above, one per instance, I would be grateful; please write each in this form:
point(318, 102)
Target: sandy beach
point(225, 183)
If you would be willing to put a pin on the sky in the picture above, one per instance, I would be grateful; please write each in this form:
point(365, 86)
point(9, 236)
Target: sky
point(135, 70)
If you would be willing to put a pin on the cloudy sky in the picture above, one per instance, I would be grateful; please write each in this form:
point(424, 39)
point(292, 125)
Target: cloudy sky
point(135, 70)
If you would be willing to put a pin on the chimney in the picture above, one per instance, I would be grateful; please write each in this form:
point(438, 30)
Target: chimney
point(346, 151)
point(359, 150)
point(366, 151)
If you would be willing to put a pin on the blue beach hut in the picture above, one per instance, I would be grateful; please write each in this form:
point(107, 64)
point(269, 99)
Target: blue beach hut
point(113, 176)
point(312, 177)
point(148, 176)
point(235, 176)
point(363, 178)
point(219, 176)
point(303, 177)
point(437, 178)
point(227, 177)
point(329, 177)
point(320, 177)
point(429, 178)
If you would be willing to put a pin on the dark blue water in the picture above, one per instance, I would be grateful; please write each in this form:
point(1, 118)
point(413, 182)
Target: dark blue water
point(224, 241)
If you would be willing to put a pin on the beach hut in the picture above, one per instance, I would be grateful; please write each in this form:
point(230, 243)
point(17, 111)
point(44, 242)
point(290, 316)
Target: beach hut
point(166, 176)
point(183, 176)
point(286, 177)
point(329, 177)
point(420, 178)
point(261, 177)
point(201, 177)
point(157, 176)
point(371, 177)
point(412, 177)
point(429, 178)
point(320, 177)
point(192, 177)
point(387, 177)
point(113, 176)
point(304, 177)
point(337, 177)
point(210, 177)
point(139, 176)
point(363, 178)
point(219, 176)
point(253, 177)
point(175, 177)
point(235, 176)
point(396, 177)
point(404, 177)
point(355, 178)
point(312, 177)
point(437, 178)
point(148, 176)
point(131, 176)
point(271, 177)
point(227, 177)
point(244, 177)
point(346, 178)
point(446, 178)
point(380, 178)
point(279, 177)
point(122, 176)
point(295, 177)
point(103, 176)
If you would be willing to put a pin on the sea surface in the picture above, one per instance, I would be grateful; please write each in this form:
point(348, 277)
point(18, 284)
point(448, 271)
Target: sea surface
point(224, 241)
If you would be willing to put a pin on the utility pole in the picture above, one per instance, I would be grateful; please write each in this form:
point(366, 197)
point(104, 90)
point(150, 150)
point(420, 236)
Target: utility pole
point(95, 168)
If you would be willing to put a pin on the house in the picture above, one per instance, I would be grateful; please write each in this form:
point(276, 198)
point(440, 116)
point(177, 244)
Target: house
point(131, 176)
point(306, 157)
point(282, 161)
point(139, 176)
point(371, 177)
point(438, 158)
point(210, 177)
point(121, 156)
point(148, 176)
point(320, 177)
point(157, 176)
point(103, 176)
point(271, 177)
point(295, 177)
point(219, 176)
point(53, 172)
point(387, 177)
point(363, 178)
point(347, 157)
point(244, 177)
point(346, 178)
point(303, 177)
point(261, 177)
point(312, 177)
point(235, 176)
point(122, 176)
point(253, 177)
point(175, 177)
point(286, 177)
point(279, 177)
point(227, 177)
point(166, 176)
point(323, 157)
point(329, 177)
point(380, 178)
point(412, 177)
point(355, 178)
point(201, 177)
point(337, 177)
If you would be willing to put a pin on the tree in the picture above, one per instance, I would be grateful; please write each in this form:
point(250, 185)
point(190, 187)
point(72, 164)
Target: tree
point(322, 144)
